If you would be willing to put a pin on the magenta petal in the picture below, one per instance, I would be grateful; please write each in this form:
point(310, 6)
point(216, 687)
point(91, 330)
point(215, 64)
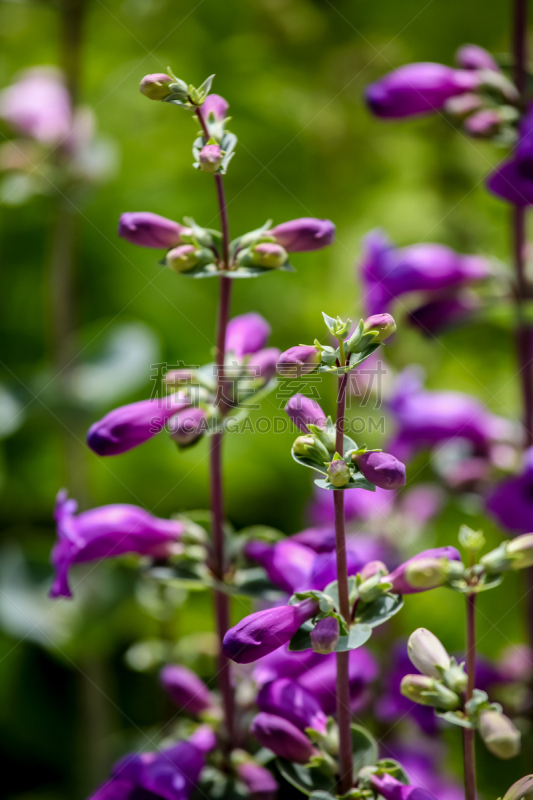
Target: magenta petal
point(507, 182)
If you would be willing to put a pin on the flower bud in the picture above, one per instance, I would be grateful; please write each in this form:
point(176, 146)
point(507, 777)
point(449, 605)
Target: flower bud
point(310, 447)
point(263, 364)
point(372, 568)
point(521, 549)
point(427, 653)
point(521, 790)
point(289, 700)
point(214, 105)
point(304, 234)
point(183, 258)
point(383, 323)
point(176, 378)
point(187, 426)
point(303, 412)
point(325, 635)
point(156, 86)
point(427, 692)
point(150, 230)
point(269, 255)
point(338, 473)
point(210, 158)
point(259, 781)
point(185, 688)
point(427, 570)
point(483, 124)
point(298, 361)
point(381, 469)
point(302, 444)
point(472, 56)
point(463, 104)
point(282, 737)
point(501, 737)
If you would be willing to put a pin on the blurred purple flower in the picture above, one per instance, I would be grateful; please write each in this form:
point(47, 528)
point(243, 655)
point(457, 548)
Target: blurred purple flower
point(104, 532)
point(392, 789)
point(303, 412)
point(420, 88)
point(262, 365)
point(484, 123)
point(288, 564)
point(392, 706)
point(288, 699)
point(170, 774)
point(259, 781)
point(319, 678)
point(185, 688)
point(421, 764)
point(216, 105)
point(246, 334)
point(259, 634)
point(388, 272)
point(37, 105)
point(472, 56)
point(512, 180)
point(145, 229)
point(282, 737)
point(321, 540)
point(304, 234)
point(511, 502)
point(365, 506)
point(437, 315)
point(128, 426)
point(188, 425)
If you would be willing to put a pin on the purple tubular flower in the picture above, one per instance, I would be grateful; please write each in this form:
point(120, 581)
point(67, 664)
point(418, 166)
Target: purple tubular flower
point(393, 705)
point(170, 774)
point(392, 789)
point(188, 425)
point(321, 540)
point(421, 764)
point(216, 105)
point(284, 663)
point(282, 737)
point(128, 426)
point(304, 234)
point(289, 700)
point(262, 365)
point(104, 532)
point(431, 559)
point(150, 230)
point(438, 315)
point(381, 469)
point(260, 783)
point(37, 105)
point(420, 88)
point(265, 631)
point(185, 688)
point(472, 56)
point(389, 272)
point(288, 564)
point(303, 412)
point(319, 678)
point(298, 361)
point(246, 334)
point(365, 506)
point(511, 502)
point(513, 180)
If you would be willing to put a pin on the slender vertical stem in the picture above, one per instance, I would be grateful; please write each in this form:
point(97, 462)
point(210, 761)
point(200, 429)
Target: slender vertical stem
point(469, 740)
point(344, 716)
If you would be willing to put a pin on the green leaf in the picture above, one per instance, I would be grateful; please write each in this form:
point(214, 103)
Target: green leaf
point(307, 462)
point(393, 768)
point(358, 635)
point(455, 717)
point(364, 748)
point(357, 481)
point(306, 779)
point(330, 321)
point(302, 639)
point(378, 611)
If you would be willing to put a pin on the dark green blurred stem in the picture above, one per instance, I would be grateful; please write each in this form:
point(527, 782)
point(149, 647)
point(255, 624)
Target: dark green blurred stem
point(469, 735)
point(344, 715)
point(524, 331)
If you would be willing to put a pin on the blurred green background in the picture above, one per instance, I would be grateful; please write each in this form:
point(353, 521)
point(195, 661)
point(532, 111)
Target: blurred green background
point(293, 72)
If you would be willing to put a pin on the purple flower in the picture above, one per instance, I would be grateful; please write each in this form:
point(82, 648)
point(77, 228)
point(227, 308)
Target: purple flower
point(513, 180)
point(438, 315)
point(303, 412)
point(263, 363)
point(188, 425)
point(511, 502)
point(389, 272)
point(38, 105)
point(384, 324)
point(128, 426)
point(366, 506)
point(425, 419)
point(210, 157)
point(155, 86)
point(392, 705)
point(104, 532)
point(421, 764)
point(325, 635)
point(420, 88)
point(170, 774)
point(382, 469)
point(267, 254)
point(484, 123)
point(185, 688)
point(282, 737)
point(472, 56)
point(260, 783)
point(216, 105)
point(321, 540)
point(246, 334)
point(265, 631)
point(319, 678)
point(304, 234)
point(289, 700)
point(424, 571)
point(288, 564)
point(392, 789)
point(283, 663)
point(150, 230)
point(298, 361)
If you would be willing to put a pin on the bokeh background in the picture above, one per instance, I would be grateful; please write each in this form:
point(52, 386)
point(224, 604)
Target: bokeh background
point(293, 72)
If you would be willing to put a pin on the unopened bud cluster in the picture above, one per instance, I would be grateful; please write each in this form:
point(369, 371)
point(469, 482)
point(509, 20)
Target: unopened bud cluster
point(442, 679)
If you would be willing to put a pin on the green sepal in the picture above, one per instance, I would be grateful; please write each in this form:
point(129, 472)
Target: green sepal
point(390, 766)
point(357, 481)
point(484, 583)
point(364, 748)
point(325, 602)
point(251, 238)
point(378, 611)
point(306, 779)
point(456, 718)
point(358, 635)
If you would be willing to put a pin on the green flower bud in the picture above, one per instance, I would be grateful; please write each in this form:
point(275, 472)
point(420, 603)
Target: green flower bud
point(497, 560)
point(268, 254)
point(156, 86)
point(210, 158)
point(427, 653)
point(427, 573)
point(521, 549)
point(309, 446)
point(338, 472)
point(384, 324)
point(521, 790)
point(501, 737)
point(186, 256)
point(302, 444)
point(455, 677)
point(429, 692)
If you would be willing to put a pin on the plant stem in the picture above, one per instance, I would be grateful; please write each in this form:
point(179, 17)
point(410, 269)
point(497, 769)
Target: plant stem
point(524, 331)
point(469, 740)
point(344, 716)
